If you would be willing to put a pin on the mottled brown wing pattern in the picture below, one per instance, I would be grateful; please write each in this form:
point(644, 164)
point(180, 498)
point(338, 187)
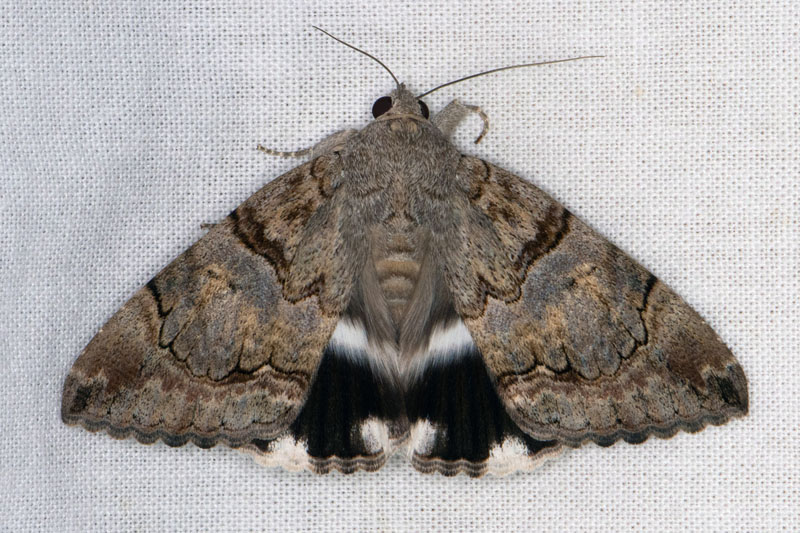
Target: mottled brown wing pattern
point(223, 343)
point(581, 341)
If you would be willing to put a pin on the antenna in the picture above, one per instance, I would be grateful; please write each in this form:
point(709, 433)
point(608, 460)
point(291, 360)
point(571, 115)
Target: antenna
point(362, 51)
point(504, 68)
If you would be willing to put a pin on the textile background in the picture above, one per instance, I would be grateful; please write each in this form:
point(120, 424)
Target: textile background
point(126, 125)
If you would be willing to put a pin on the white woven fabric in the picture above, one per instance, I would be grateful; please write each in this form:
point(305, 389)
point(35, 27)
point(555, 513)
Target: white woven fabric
point(124, 126)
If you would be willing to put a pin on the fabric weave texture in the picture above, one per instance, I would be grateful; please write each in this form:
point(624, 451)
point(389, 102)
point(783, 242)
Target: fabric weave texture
point(125, 126)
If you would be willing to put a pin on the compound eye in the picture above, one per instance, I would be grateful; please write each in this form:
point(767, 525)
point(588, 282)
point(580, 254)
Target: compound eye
point(424, 109)
point(381, 106)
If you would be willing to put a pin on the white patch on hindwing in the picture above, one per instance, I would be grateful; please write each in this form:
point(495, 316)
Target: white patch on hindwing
point(512, 456)
point(286, 452)
point(446, 342)
point(349, 337)
point(445, 345)
point(375, 435)
point(350, 340)
point(423, 437)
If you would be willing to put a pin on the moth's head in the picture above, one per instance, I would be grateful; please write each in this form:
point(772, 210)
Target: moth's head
point(401, 101)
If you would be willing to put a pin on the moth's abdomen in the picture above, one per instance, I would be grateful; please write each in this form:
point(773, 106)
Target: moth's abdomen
point(398, 274)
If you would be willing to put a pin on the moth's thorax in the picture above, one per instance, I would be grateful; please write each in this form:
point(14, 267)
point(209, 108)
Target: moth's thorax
point(400, 148)
point(402, 131)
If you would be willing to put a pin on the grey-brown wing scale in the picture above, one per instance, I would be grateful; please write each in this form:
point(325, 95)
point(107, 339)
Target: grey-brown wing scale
point(581, 342)
point(224, 344)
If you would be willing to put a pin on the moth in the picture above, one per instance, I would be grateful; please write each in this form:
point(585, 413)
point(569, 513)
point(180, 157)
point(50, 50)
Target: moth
point(395, 294)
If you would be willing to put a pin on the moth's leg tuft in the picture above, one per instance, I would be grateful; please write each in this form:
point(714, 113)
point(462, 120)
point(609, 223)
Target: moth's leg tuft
point(331, 143)
point(451, 116)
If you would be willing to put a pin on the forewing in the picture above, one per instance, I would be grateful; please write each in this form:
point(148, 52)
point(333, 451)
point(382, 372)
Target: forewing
point(223, 344)
point(581, 341)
